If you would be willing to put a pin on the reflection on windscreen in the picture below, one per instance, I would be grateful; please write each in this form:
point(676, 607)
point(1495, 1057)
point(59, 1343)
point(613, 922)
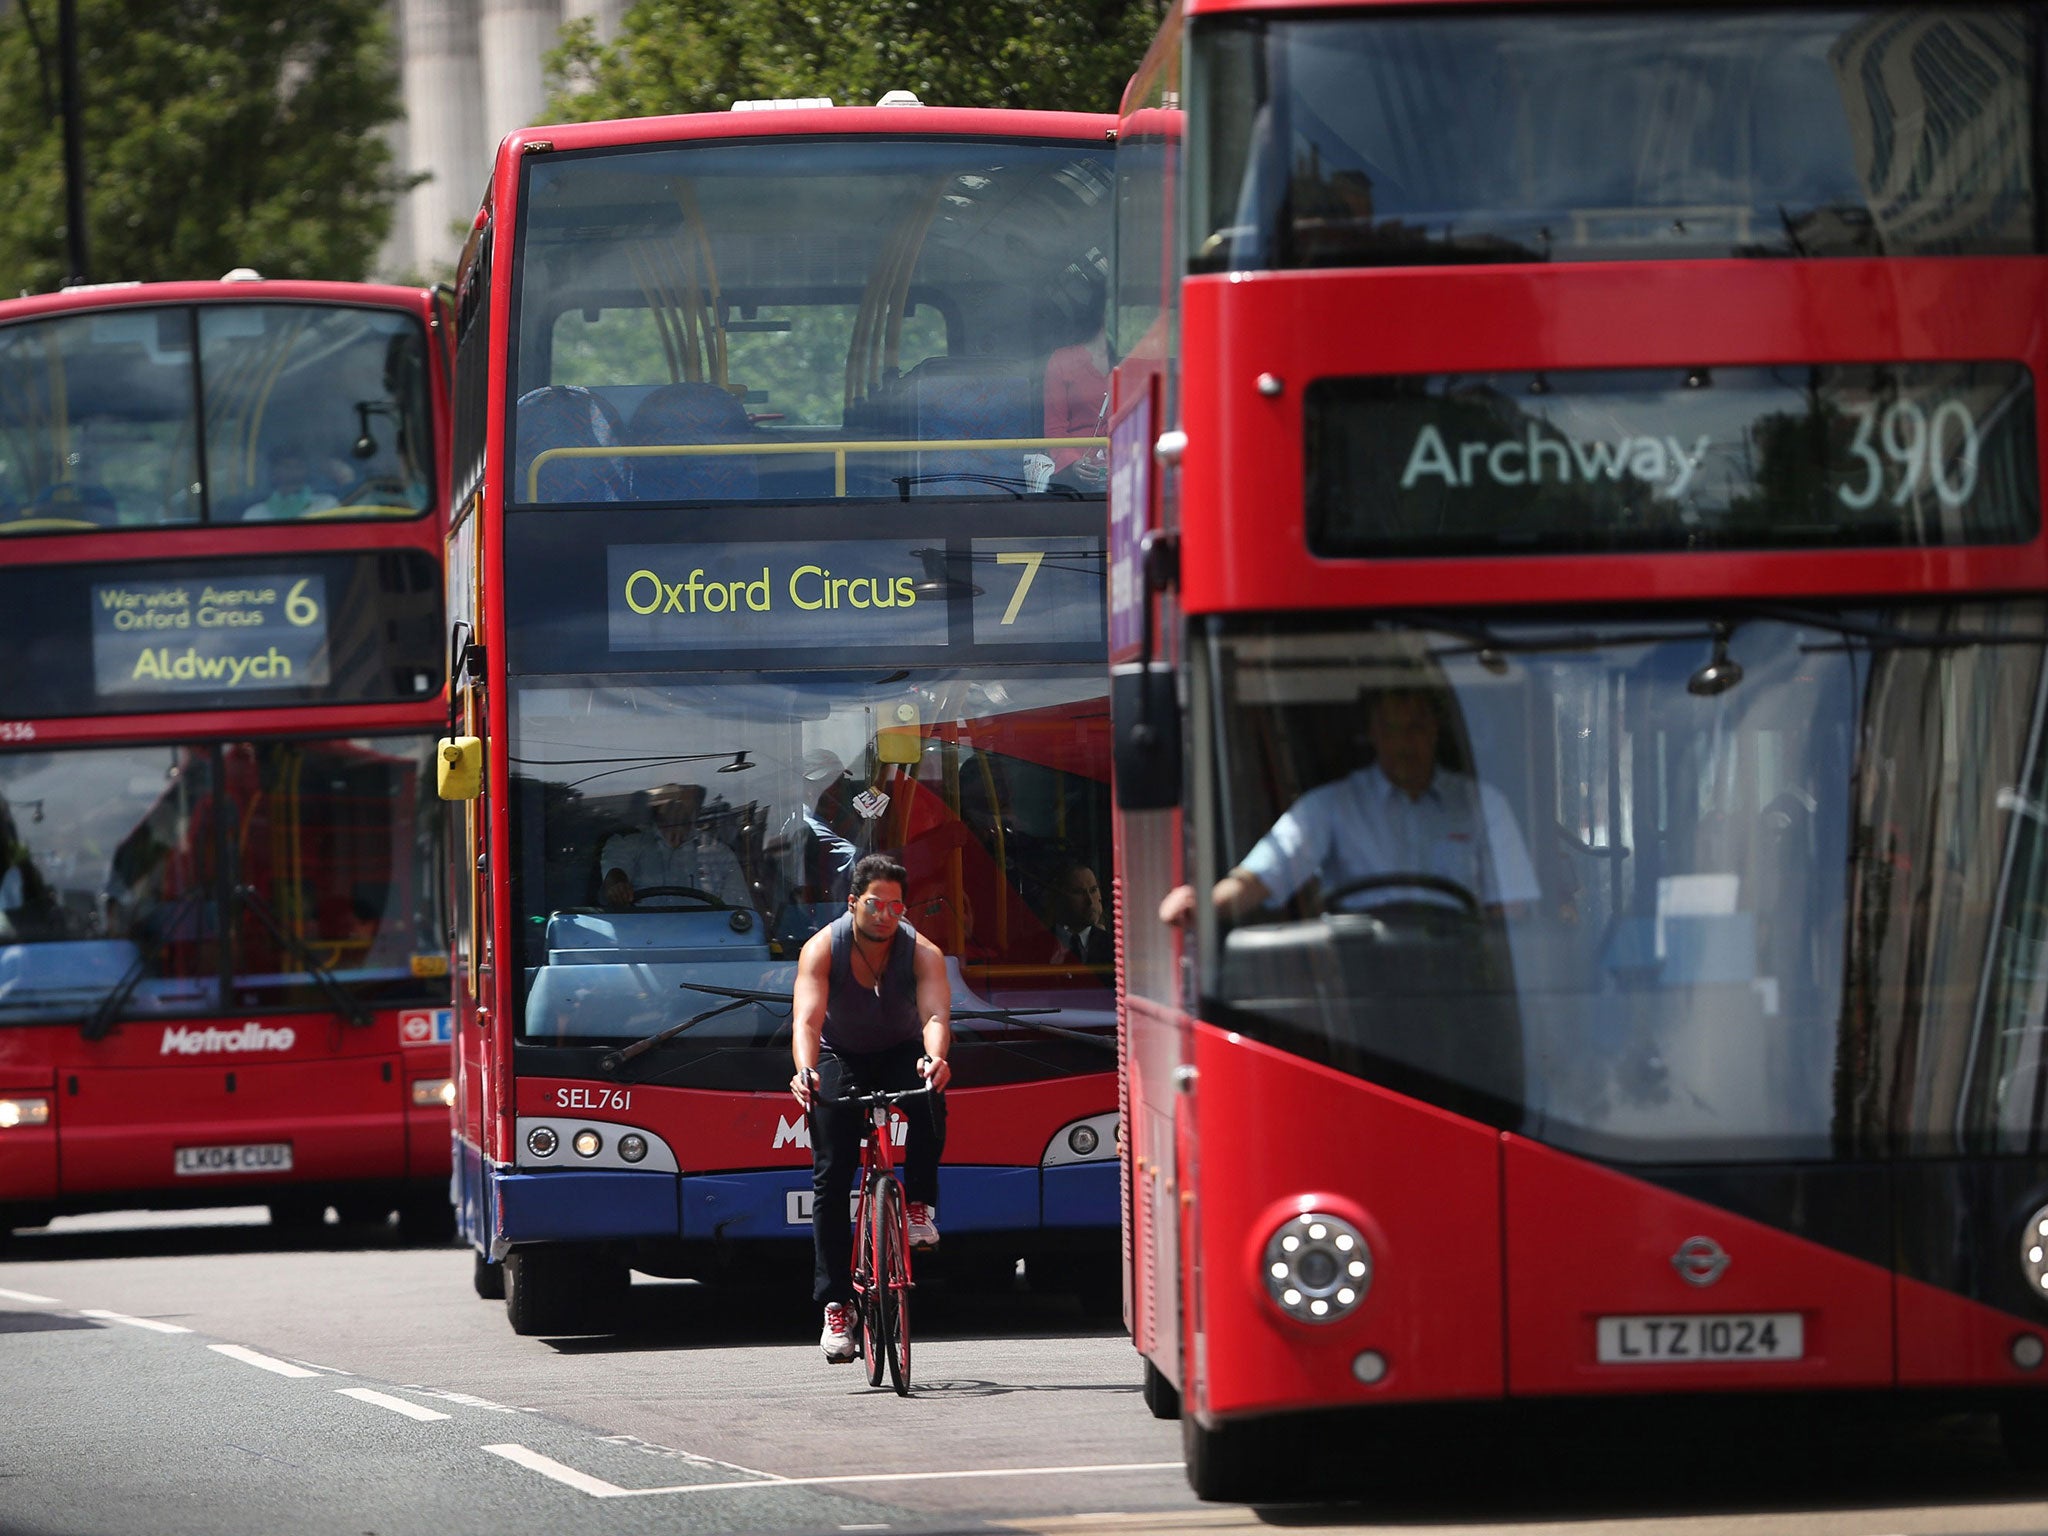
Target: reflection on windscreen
point(1386, 139)
point(701, 830)
point(1736, 887)
point(113, 896)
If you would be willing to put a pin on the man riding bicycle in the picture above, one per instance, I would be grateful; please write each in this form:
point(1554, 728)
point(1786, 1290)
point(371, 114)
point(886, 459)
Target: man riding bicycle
point(872, 1008)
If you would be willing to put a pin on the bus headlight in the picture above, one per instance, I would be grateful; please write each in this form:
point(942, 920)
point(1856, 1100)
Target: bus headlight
point(541, 1141)
point(1083, 1140)
point(587, 1143)
point(23, 1111)
point(1317, 1267)
point(632, 1146)
point(433, 1092)
point(2033, 1250)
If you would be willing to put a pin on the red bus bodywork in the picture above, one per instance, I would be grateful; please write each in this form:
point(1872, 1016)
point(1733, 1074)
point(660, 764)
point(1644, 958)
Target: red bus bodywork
point(258, 1087)
point(1494, 1255)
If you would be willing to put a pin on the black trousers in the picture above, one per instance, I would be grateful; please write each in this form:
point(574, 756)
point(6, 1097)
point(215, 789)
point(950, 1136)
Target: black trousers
point(836, 1134)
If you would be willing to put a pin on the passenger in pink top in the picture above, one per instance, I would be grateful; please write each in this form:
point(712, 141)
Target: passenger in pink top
point(1077, 397)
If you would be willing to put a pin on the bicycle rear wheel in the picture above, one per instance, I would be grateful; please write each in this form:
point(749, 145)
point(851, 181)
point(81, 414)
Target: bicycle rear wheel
point(871, 1275)
point(892, 1254)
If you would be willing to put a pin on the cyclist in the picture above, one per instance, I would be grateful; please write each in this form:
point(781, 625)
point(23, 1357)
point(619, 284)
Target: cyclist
point(872, 1008)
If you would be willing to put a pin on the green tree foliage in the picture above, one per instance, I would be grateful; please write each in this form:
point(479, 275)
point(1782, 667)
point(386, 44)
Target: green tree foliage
point(701, 55)
point(218, 133)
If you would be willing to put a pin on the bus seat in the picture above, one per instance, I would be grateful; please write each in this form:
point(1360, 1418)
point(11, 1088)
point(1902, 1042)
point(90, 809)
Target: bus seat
point(973, 397)
point(93, 504)
point(569, 416)
point(681, 415)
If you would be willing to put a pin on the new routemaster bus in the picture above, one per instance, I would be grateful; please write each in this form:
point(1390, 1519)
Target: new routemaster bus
point(1585, 907)
point(779, 540)
point(223, 965)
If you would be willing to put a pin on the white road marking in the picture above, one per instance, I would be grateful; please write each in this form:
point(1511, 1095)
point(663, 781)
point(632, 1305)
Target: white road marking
point(669, 1453)
point(41, 1301)
point(465, 1399)
point(395, 1404)
point(261, 1362)
point(326, 1370)
point(133, 1322)
point(547, 1466)
point(598, 1488)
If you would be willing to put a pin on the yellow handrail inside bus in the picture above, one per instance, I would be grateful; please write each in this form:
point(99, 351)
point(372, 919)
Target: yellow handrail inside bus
point(838, 451)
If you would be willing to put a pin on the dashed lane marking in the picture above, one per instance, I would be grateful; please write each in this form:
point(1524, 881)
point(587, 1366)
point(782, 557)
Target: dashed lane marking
point(598, 1488)
point(262, 1362)
point(395, 1404)
point(133, 1322)
point(30, 1296)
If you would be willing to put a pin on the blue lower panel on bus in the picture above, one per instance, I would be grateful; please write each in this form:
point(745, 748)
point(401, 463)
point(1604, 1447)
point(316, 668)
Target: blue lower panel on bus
point(1083, 1195)
point(778, 1204)
point(569, 1207)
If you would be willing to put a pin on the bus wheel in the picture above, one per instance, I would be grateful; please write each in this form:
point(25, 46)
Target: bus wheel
point(1226, 1463)
point(553, 1290)
point(1161, 1395)
point(2023, 1429)
point(488, 1278)
point(298, 1215)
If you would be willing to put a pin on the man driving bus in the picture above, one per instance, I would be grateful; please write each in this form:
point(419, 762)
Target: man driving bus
point(1400, 814)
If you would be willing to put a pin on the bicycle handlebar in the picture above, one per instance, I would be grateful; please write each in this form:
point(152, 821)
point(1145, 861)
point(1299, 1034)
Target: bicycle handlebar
point(871, 1100)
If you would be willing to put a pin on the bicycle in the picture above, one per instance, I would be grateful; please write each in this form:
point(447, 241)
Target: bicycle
point(881, 1245)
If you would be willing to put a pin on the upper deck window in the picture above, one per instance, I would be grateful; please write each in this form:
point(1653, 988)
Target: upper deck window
point(1447, 139)
point(176, 415)
point(796, 319)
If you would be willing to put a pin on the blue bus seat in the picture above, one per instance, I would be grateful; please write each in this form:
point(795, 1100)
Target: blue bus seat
point(569, 416)
point(682, 415)
point(973, 397)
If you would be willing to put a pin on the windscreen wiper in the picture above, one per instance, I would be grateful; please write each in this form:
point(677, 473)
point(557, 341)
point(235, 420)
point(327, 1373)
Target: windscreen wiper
point(346, 1003)
point(1022, 1019)
point(611, 1061)
point(102, 1020)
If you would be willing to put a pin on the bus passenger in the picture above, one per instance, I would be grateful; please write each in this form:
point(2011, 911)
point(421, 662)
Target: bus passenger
point(1077, 393)
point(1075, 918)
point(675, 854)
point(873, 1009)
point(1401, 814)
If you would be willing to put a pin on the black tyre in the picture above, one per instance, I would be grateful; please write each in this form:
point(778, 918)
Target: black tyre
point(1161, 1395)
point(867, 1265)
point(1228, 1463)
point(553, 1290)
point(298, 1214)
point(892, 1246)
point(488, 1278)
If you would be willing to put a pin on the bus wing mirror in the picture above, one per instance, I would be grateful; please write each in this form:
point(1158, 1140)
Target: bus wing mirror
point(1144, 707)
point(896, 741)
point(459, 767)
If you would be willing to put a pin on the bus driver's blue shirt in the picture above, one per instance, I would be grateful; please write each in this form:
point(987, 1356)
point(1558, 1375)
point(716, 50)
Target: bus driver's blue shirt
point(1362, 825)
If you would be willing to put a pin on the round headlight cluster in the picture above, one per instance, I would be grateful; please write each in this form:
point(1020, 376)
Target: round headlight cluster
point(2034, 1252)
point(1083, 1140)
point(1317, 1267)
point(632, 1146)
point(587, 1143)
point(541, 1141)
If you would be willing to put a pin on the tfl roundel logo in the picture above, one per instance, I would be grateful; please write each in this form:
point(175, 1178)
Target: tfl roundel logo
point(1699, 1261)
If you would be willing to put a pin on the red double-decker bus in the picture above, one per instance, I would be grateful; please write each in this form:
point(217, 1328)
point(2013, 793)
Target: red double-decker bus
point(1585, 901)
point(779, 541)
point(223, 973)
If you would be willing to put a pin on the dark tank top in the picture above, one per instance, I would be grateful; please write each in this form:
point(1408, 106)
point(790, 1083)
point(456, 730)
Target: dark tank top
point(860, 1019)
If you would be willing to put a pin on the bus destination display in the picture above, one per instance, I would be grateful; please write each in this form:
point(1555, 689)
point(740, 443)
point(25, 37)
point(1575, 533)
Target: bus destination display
point(236, 634)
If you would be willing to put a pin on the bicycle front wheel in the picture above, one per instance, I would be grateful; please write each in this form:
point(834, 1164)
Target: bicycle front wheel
point(868, 1270)
point(892, 1282)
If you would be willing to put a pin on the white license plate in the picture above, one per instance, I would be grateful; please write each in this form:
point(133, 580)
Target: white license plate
point(1702, 1338)
point(797, 1203)
point(260, 1157)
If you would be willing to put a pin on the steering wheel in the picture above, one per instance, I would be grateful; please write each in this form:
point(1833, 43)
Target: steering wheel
point(385, 490)
point(704, 899)
point(1412, 880)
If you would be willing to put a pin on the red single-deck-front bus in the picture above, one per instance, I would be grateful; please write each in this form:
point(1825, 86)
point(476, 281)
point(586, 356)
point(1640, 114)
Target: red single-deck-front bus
point(222, 946)
point(779, 541)
point(1582, 469)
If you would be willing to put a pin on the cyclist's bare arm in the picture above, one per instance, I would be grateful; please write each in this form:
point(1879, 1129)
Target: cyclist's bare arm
point(807, 1027)
point(935, 1007)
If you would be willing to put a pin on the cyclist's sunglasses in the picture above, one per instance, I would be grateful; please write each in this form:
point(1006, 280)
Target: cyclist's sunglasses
point(883, 908)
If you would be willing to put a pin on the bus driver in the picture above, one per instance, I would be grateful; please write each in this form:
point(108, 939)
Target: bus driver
point(873, 1009)
point(1400, 814)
